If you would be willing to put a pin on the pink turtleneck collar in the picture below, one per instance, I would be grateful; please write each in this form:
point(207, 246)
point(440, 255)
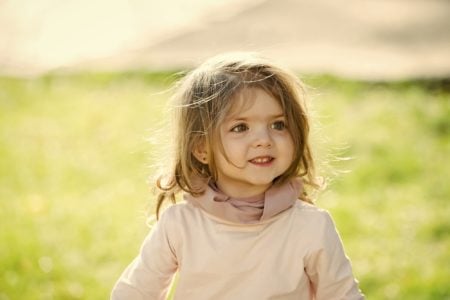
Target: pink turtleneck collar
point(248, 210)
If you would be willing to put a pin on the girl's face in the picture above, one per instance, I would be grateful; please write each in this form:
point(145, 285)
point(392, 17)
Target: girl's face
point(256, 142)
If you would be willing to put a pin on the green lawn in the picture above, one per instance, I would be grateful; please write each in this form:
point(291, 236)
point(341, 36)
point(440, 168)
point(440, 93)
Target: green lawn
point(76, 153)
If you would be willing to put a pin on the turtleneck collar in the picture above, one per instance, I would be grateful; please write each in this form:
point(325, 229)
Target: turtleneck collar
point(248, 210)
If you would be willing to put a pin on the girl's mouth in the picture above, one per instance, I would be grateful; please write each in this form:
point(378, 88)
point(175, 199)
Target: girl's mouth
point(262, 160)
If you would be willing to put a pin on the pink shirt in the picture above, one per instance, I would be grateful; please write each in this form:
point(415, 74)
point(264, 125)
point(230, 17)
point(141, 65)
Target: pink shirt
point(296, 254)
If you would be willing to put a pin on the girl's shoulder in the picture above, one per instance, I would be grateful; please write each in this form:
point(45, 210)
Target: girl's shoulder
point(178, 210)
point(305, 207)
point(176, 217)
point(311, 214)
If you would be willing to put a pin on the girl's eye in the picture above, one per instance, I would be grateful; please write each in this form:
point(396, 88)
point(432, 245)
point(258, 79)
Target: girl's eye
point(239, 128)
point(278, 125)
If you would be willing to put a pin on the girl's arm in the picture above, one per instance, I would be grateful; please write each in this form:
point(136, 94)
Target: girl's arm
point(328, 268)
point(150, 274)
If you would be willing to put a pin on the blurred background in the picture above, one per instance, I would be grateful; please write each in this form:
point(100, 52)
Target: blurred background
point(83, 93)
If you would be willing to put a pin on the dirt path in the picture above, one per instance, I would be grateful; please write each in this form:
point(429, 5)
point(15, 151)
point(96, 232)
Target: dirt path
point(371, 39)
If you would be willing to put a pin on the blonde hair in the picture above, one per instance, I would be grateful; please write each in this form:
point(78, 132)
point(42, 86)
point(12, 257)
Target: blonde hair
point(203, 99)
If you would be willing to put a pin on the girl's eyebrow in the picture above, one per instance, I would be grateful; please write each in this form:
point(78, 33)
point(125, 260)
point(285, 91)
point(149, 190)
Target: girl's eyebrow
point(244, 118)
point(277, 116)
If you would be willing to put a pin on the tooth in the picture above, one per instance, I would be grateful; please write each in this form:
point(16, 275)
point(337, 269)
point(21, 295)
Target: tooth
point(262, 159)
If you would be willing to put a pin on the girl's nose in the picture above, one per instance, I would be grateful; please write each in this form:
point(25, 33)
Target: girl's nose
point(262, 138)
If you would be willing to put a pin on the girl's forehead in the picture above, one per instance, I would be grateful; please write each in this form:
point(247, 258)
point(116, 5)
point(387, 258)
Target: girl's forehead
point(244, 100)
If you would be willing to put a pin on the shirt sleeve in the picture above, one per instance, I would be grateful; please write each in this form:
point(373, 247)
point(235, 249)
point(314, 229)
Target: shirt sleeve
point(328, 268)
point(150, 274)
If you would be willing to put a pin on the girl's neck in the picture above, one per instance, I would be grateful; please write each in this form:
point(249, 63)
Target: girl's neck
point(248, 193)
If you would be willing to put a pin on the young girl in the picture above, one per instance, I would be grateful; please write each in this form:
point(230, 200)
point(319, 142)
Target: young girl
point(246, 228)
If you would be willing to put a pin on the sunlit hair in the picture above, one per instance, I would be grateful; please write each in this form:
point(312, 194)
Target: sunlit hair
point(203, 99)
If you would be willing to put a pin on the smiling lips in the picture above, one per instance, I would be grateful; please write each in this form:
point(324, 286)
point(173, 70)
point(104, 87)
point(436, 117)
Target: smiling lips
point(262, 160)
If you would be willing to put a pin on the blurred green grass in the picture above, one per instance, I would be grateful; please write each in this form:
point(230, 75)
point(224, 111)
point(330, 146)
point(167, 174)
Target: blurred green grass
point(75, 158)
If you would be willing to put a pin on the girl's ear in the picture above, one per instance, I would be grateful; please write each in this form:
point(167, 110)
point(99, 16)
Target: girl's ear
point(200, 152)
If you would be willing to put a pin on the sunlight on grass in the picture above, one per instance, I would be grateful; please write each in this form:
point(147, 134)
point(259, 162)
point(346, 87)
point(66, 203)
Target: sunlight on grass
point(75, 158)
